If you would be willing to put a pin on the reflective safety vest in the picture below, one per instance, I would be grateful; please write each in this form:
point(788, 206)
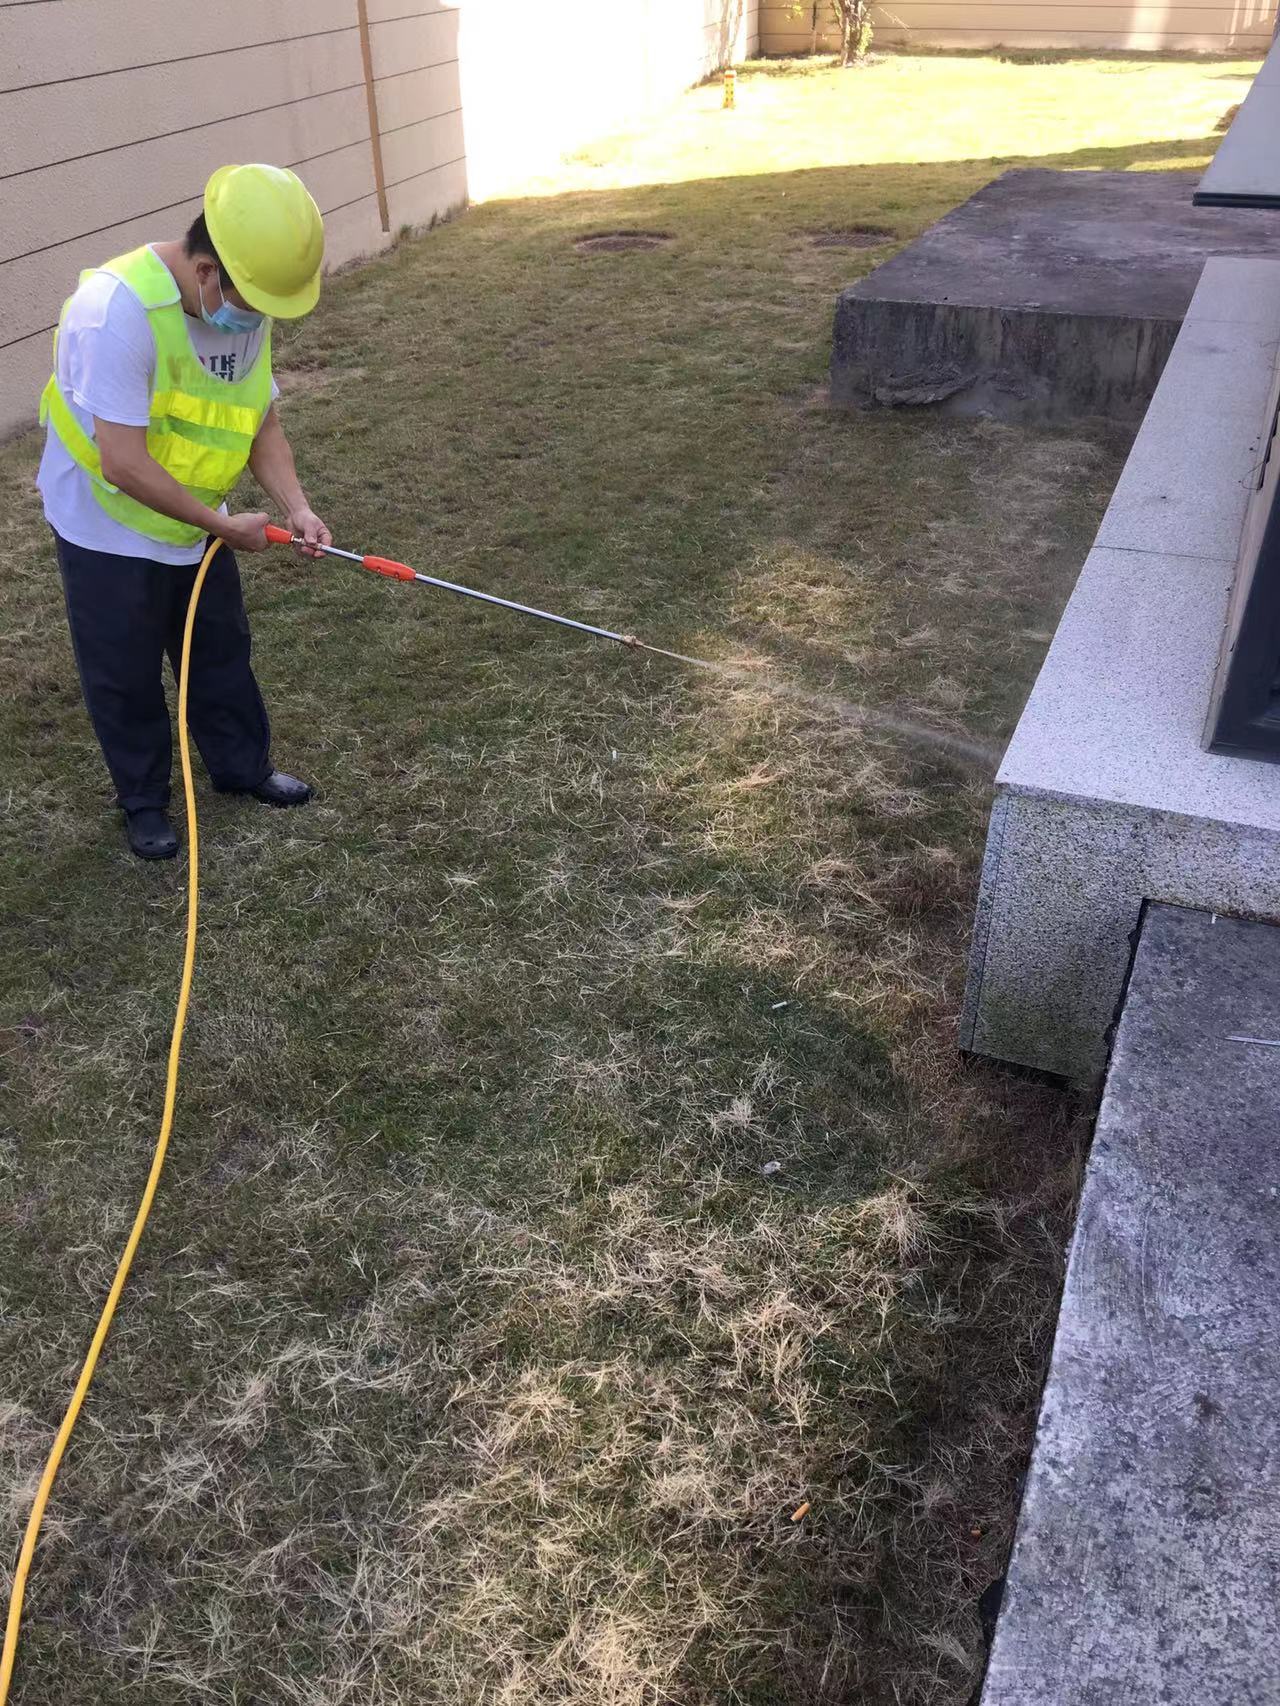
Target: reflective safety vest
point(201, 430)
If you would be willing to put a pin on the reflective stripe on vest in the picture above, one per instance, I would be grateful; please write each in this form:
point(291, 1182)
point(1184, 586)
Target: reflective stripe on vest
point(201, 430)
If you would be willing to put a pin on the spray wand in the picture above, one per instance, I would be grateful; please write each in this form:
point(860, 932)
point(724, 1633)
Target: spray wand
point(970, 753)
point(402, 572)
point(958, 747)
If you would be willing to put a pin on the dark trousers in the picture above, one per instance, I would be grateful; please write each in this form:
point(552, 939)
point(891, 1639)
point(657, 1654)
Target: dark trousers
point(125, 614)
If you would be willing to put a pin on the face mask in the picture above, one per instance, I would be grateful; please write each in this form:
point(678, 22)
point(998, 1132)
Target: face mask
point(226, 317)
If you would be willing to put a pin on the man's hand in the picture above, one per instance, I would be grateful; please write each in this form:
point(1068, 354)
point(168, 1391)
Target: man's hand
point(244, 532)
point(310, 531)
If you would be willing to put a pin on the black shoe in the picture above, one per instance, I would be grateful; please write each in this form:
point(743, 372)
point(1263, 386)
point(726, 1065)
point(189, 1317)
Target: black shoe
point(151, 835)
point(281, 790)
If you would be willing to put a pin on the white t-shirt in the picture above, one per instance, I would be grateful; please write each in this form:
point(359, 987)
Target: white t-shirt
point(106, 367)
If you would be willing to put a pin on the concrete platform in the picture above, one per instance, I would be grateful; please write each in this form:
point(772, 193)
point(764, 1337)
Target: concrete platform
point(1046, 296)
point(1146, 1567)
point(1106, 798)
point(1245, 172)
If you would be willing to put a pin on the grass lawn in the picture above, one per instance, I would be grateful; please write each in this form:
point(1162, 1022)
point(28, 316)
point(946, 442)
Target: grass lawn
point(574, 1170)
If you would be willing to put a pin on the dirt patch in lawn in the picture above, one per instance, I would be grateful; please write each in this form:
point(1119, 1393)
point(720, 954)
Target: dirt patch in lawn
point(620, 242)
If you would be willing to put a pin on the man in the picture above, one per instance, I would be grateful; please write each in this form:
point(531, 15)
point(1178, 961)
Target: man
point(161, 396)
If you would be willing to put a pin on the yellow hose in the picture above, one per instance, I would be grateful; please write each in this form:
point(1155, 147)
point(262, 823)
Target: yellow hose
point(14, 1620)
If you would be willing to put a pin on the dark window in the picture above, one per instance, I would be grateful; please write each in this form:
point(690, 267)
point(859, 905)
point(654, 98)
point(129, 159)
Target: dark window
point(1244, 708)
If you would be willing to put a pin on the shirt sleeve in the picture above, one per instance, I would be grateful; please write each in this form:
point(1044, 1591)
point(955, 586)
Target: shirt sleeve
point(109, 353)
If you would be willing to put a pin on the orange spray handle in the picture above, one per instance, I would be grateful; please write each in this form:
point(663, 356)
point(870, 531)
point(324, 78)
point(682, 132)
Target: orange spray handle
point(384, 566)
point(375, 565)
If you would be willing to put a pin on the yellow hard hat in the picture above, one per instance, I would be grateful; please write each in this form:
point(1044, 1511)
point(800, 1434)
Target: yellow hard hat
point(269, 235)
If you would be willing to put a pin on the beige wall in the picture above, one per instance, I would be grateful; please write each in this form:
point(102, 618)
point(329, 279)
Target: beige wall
point(110, 127)
point(603, 63)
point(1243, 25)
point(114, 112)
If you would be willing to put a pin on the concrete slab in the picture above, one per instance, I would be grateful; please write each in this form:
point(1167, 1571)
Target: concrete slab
point(1146, 1566)
point(1245, 171)
point(1269, 71)
point(1185, 491)
point(1106, 798)
point(1116, 625)
point(1048, 295)
point(1240, 299)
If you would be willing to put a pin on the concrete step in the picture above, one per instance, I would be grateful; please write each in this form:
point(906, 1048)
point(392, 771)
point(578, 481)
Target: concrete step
point(1046, 296)
point(1146, 1567)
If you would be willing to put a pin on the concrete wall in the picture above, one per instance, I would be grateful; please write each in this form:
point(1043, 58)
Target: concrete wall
point(1106, 798)
point(556, 77)
point(114, 112)
point(1218, 25)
